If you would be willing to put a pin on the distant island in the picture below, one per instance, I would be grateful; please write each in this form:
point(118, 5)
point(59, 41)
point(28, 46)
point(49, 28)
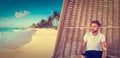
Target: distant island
point(51, 22)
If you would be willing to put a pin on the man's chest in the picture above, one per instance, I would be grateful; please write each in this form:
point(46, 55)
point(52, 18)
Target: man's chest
point(94, 39)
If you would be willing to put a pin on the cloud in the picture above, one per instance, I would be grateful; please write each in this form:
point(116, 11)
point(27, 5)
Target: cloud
point(21, 13)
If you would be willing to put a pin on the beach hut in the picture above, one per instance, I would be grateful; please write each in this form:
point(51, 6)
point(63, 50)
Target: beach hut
point(75, 22)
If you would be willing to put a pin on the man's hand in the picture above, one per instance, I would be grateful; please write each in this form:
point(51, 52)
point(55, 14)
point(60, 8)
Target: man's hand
point(104, 46)
point(82, 47)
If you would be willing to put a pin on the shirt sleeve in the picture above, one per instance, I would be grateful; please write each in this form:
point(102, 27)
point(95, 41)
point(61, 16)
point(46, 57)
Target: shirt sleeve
point(85, 37)
point(103, 38)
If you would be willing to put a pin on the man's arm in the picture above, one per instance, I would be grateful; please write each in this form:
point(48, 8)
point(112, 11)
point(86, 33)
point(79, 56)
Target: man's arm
point(104, 47)
point(83, 45)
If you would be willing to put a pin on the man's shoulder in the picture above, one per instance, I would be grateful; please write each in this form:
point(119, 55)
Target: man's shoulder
point(101, 34)
point(87, 33)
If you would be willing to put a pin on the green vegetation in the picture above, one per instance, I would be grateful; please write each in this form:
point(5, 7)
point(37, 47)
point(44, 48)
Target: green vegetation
point(52, 21)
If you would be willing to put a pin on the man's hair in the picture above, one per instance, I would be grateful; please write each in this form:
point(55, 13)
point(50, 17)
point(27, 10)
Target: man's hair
point(96, 22)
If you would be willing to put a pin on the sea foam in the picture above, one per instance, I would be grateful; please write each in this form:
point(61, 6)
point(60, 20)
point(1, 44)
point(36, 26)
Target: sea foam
point(15, 39)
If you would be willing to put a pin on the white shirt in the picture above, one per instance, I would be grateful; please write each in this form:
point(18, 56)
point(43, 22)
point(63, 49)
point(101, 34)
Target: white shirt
point(94, 42)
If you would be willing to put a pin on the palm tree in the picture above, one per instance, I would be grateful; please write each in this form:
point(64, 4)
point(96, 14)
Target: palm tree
point(50, 22)
point(43, 23)
point(33, 25)
point(56, 14)
point(50, 18)
point(56, 18)
point(37, 25)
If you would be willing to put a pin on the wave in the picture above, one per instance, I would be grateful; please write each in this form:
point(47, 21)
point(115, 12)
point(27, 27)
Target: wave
point(14, 40)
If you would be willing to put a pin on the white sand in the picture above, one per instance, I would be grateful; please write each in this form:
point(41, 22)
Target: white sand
point(41, 46)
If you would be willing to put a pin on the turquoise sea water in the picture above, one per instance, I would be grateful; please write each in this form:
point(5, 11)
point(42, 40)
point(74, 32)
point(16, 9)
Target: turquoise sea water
point(13, 38)
point(11, 29)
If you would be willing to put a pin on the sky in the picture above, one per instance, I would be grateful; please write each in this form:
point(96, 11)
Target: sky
point(23, 13)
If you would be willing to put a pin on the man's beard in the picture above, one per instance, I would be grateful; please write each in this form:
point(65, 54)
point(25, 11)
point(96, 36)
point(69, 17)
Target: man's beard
point(94, 31)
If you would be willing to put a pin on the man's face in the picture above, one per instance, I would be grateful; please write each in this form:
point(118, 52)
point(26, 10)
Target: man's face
point(94, 27)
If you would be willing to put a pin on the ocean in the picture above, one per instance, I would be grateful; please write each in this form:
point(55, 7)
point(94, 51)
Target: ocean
point(14, 38)
point(11, 29)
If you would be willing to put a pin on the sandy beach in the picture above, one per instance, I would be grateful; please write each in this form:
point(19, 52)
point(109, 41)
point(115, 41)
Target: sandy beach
point(41, 46)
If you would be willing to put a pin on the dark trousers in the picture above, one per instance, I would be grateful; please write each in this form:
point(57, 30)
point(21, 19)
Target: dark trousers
point(93, 54)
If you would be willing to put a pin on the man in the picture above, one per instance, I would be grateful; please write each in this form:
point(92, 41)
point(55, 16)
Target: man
point(95, 42)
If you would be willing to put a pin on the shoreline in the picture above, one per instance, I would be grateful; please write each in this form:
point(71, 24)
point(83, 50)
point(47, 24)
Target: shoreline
point(41, 46)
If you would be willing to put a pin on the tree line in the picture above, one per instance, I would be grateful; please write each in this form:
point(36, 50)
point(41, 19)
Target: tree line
point(49, 22)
